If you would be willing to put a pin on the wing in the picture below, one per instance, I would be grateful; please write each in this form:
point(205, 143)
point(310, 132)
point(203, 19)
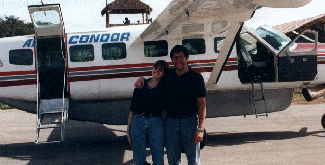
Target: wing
point(195, 16)
point(198, 18)
point(185, 18)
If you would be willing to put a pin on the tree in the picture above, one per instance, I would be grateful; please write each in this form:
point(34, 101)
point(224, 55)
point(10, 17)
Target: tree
point(12, 26)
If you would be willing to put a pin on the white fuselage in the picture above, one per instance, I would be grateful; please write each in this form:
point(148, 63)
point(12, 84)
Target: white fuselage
point(106, 78)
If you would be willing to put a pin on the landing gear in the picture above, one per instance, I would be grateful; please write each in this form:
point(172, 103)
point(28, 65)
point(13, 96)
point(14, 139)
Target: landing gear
point(323, 121)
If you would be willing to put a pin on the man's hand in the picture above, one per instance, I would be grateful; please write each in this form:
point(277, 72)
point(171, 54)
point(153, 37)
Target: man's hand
point(139, 83)
point(198, 136)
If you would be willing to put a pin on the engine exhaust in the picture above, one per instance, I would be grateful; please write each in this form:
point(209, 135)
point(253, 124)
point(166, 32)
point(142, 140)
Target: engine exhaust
point(313, 92)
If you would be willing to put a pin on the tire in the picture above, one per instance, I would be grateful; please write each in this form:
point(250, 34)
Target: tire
point(323, 121)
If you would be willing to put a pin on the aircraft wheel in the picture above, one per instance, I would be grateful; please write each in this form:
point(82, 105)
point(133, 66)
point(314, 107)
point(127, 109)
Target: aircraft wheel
point(323, 121)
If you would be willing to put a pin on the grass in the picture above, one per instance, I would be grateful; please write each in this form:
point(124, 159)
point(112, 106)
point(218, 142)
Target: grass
point(298, 98)
point(4, 106)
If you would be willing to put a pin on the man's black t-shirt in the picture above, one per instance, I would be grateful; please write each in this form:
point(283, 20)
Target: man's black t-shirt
point(181, 93)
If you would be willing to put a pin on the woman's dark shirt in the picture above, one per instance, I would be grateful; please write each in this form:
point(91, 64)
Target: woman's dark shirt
point(148, 99)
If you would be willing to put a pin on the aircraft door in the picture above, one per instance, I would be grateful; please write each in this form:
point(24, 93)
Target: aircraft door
point(50, 50)
point(52, 98)
point(298, 60)
point(47, 20)
point(254, 60)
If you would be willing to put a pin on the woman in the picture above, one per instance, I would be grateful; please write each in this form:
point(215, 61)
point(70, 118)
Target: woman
point(145, 121)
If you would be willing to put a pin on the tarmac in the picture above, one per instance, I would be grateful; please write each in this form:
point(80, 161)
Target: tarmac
point(294, 136)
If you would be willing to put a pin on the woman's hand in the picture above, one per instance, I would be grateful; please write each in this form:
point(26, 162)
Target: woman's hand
point(129, 138)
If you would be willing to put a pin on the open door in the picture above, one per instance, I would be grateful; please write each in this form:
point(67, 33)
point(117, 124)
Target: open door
point(298, 60)
point(47, 20)
point(51, 66)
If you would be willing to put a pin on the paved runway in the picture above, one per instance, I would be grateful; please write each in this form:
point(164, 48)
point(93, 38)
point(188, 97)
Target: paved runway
point(294, 136)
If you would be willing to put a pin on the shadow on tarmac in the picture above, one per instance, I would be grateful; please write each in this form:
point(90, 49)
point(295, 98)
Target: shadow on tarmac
point(85, 143)
point(93, 143)
point(230, 139)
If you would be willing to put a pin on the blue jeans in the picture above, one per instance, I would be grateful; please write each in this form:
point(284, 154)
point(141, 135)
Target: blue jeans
point(180, 132)
point(147, 129)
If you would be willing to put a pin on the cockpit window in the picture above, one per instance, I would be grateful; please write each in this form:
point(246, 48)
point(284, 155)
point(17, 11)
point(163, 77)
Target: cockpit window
point(275, 38)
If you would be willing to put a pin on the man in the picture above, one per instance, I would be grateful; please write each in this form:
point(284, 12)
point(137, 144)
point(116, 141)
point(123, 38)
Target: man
point(127, 21)
point(185, 107)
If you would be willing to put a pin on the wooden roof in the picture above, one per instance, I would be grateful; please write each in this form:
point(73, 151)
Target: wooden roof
point(304, 23)
point(291, 29)
point(126, 7)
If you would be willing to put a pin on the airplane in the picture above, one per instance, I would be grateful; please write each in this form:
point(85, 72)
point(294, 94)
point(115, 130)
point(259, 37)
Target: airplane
point(90, 76)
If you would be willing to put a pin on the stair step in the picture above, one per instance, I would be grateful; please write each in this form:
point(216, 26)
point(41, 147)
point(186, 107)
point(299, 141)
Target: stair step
point(45, 142)
point(257, 78)
point(47, 127)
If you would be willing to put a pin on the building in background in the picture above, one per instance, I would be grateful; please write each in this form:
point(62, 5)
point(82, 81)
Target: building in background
point(292, 29)
point(127, 7)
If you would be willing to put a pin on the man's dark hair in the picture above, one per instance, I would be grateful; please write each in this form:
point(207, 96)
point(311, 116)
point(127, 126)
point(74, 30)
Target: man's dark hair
point(177, 49)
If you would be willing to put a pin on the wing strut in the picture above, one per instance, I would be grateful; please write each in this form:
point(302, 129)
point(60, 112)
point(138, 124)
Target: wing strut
point(229, 52)
point(223, 57)
point(221, 62)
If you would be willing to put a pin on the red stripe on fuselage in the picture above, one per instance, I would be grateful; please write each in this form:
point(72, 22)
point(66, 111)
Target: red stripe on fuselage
point(17, 73)
point(138, 74)
point(117, 75)
point(18, 83)
point(108, 76)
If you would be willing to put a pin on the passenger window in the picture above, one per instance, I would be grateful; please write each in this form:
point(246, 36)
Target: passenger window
point(113, 51)
point(194, 46)
point(81, 53)
point(21, 57)
point(218, 41)
point(155, 48)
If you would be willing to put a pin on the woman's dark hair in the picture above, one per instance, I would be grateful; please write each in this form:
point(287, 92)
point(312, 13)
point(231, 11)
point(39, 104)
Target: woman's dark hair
point(161, 63)
point(177, 49)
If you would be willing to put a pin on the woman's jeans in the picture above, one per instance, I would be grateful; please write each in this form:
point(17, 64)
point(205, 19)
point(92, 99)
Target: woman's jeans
point(147, 129)
point(180, 133)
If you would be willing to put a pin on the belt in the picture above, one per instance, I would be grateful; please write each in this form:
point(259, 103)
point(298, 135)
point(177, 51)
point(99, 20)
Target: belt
point(148, 115)
point(182, 116)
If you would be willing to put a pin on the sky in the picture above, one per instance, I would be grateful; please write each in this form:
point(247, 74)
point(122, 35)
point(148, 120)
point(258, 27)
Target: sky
point(81, 15)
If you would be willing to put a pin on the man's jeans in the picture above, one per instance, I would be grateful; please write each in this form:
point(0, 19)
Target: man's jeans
point(147, 129)
point(180, 132)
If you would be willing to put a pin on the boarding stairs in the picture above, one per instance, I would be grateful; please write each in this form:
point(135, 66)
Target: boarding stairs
point(259, 80)
point(52, 114)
